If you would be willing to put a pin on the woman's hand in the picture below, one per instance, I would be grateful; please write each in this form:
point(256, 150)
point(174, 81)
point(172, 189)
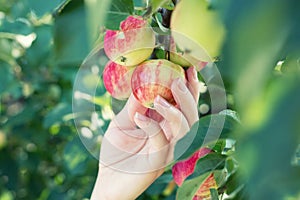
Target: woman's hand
point(136, 148)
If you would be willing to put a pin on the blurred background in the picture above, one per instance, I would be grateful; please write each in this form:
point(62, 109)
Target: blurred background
point(44, 43)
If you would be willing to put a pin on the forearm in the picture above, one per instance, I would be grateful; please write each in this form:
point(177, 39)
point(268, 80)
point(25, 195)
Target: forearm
point(112, 184)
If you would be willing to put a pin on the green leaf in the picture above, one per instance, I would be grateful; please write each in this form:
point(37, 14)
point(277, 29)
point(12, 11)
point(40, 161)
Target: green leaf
point(190, 187)
point(40, 50)
point(41, 8)
point(234, 185)
point(208, 163)
point(70, 34)
point(219, 146)
point(140, 3)
point(117, 105)
point(118, 11)
point(19, 9)
point(154, 5)
point(96, 16)
point(20, 26)
point(214, 194)
point(207, 129)
point(231, 113)
point(159, 23)
point(292, 63)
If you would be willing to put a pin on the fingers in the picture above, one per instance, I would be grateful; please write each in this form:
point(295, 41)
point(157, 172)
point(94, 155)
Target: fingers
point(178, 124)
point(193, 83)
point(156, 136)
point(186, 101)
point(125, 119)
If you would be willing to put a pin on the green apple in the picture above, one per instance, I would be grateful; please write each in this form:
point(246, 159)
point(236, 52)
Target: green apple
point(198, 31)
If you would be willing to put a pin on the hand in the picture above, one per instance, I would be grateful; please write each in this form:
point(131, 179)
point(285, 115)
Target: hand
point(131, 158)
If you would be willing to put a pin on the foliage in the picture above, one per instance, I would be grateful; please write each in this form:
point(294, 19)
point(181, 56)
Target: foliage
point(42, 45)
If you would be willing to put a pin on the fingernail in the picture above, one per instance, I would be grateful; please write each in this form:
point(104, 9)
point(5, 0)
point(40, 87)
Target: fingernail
point(181, 86)
point(141, 117)
point(161, 101)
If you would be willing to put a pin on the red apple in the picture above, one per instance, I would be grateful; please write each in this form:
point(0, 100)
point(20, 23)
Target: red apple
point(116, 80)
point(154, 77)
point(132, 44)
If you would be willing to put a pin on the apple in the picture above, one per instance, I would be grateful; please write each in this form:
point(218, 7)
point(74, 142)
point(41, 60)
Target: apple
point(184, 59)
point(201, 37)
point(154, 77)
point(117, 80)
point(132, 44)
point(182, 169)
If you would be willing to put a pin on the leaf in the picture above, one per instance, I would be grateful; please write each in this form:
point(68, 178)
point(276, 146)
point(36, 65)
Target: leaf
point(140, 3)
point(96, 16)
point(70, 34)
point(207, 129)
point(40, 50)
point(231, 113)
point(220, 146)
point(208, 163)
point(214, 194)
point(117, 105)
point(292, 63)
point(158, 21)
point(41, 8)
point(118, 11)
point(20, 26)
point(182, 169)
point(190, 187)
point(154, 5)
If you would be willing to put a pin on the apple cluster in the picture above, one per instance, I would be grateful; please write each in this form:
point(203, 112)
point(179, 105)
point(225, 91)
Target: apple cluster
point(131, 68)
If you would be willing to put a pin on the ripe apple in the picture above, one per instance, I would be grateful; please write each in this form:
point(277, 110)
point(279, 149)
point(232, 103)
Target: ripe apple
point(154, 77)
point(201, 37)
point(116, 80)
point(132, 44)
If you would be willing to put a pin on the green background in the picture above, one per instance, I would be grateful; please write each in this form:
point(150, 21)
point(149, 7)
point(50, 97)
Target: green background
point(41, 155)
